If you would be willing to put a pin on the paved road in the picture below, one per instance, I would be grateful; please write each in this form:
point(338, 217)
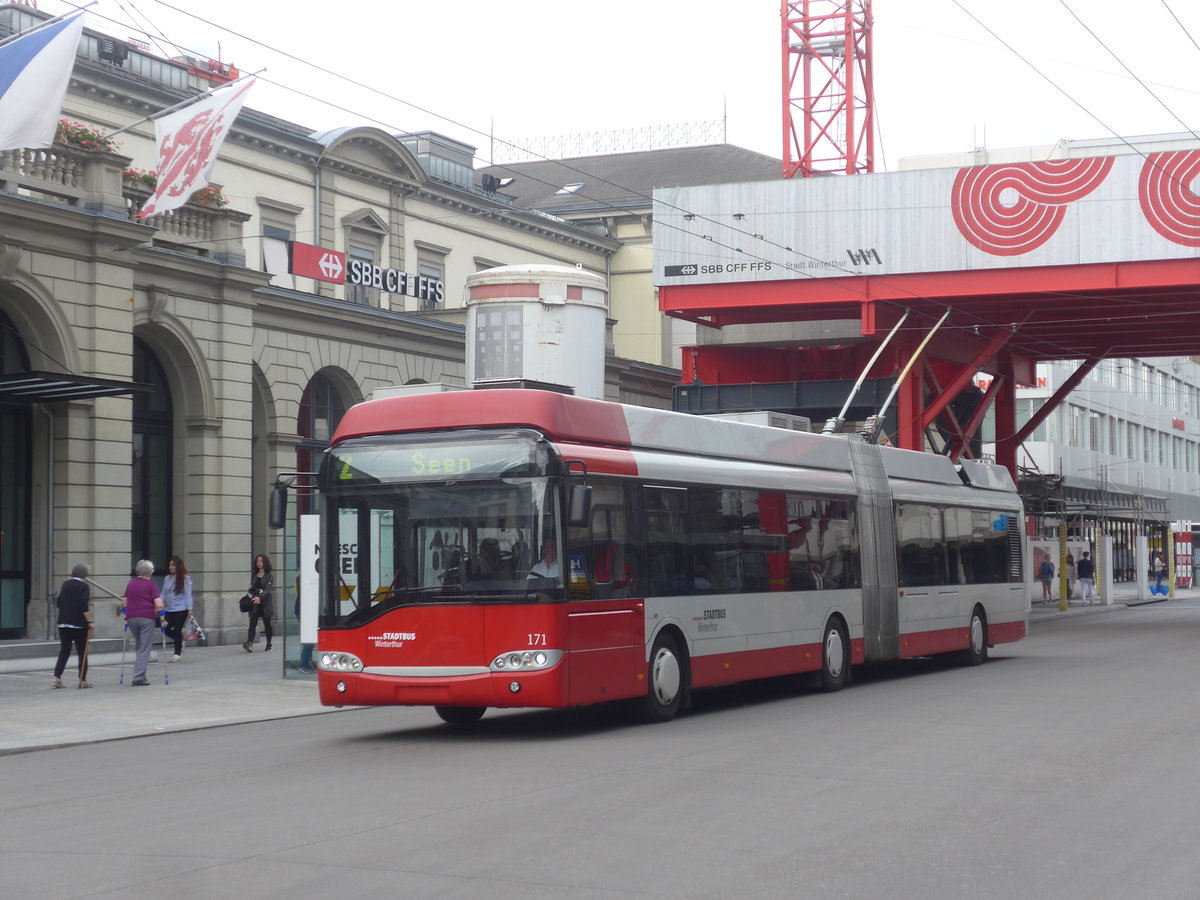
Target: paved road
point(1066, 767)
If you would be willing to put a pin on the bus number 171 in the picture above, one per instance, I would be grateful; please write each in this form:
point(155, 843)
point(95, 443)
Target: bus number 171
point(537, 640)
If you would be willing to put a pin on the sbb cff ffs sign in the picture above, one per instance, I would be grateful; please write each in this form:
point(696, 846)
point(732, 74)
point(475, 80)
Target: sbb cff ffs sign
point(323, 264)
point(394, 281)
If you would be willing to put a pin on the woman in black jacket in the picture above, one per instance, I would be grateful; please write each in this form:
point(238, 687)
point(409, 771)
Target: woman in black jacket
point(75, 624)
point(262, 603)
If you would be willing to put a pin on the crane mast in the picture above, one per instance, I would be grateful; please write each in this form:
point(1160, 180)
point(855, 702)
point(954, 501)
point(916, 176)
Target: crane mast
point(828, 97)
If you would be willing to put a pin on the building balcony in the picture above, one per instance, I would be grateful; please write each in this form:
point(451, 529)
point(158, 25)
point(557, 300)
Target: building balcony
point(93, 181)
point(209, 231)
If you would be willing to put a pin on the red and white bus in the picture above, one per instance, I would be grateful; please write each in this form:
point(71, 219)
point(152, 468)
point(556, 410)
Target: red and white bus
point(523, 548)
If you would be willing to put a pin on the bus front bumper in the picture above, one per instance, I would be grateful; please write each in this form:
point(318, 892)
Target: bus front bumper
point(494, 689)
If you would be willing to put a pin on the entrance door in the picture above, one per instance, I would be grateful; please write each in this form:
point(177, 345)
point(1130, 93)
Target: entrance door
point(14, 522)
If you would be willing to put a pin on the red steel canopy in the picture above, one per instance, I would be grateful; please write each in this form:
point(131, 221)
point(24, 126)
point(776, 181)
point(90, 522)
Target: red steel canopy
point(1120, 309)
point(1002, 321)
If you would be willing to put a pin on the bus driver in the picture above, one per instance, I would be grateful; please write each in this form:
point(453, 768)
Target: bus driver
point(547, 566)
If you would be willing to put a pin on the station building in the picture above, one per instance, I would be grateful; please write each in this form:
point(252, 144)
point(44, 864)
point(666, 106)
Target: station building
point(157, 374)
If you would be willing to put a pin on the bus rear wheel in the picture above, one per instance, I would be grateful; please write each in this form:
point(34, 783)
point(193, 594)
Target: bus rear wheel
point(977, 650)
point(460, 715)
point(666, 680)
point(835, 658)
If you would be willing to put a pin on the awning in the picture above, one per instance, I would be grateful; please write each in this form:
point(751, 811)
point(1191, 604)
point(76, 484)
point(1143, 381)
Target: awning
point(43, 387)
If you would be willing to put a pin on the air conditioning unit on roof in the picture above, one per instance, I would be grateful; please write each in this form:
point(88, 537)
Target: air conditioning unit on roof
point(766, 417)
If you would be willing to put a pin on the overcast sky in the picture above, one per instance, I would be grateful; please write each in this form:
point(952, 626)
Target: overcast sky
point(522, 69)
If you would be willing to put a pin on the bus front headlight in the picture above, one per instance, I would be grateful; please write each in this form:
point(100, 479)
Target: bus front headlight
point(526, 660)
point(337, 661)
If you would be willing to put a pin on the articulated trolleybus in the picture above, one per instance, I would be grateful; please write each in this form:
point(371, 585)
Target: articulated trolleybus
point(524, 548)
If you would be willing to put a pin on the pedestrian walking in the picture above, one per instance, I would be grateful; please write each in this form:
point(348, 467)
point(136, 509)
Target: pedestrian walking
point(177, 601)
point(1046, 574)
point(1072, 576)
point(305, 665)
point(75, 624)
point(142, 605)
point(1087, 578)
point(262, 602)
point(1159, 568)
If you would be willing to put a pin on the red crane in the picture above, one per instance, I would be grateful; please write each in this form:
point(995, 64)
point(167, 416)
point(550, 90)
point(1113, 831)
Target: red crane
point(828, 96)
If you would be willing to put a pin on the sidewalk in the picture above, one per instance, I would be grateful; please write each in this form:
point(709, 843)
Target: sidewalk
point(1124, 596)
point(209, 686)
point(213, 686)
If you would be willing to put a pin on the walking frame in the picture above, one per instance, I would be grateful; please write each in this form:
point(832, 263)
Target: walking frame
point(125, 642)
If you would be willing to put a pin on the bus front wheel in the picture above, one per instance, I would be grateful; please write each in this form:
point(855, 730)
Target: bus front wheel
point(460, 715)
point(835, 658)
point(667, 680)
point(977, 649)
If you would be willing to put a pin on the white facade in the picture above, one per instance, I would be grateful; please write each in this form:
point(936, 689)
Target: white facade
point(1133, 425)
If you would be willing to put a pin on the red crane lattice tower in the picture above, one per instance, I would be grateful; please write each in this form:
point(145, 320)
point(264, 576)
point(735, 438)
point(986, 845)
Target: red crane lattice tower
point(828, 97)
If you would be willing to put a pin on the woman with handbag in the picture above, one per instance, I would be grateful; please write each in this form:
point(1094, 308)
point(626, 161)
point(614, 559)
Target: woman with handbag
point(177, 598)
point(262, 602)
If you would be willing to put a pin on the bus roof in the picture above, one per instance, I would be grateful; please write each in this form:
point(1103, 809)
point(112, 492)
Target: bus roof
point(564, 418)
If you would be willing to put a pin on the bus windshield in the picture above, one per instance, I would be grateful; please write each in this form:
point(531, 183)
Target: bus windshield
point(472, 540)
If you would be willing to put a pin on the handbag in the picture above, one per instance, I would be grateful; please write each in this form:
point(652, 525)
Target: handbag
point(246, 604)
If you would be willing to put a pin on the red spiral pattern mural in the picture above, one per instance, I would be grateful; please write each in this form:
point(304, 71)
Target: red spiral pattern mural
point(1169, 204)
point(1009, 224)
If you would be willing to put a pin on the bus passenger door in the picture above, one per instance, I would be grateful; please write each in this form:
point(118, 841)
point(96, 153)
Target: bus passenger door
point(605, 612)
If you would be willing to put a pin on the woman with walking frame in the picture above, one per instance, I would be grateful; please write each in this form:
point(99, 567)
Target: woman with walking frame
point(262, 594)
point(75, 624)
point(142, 605)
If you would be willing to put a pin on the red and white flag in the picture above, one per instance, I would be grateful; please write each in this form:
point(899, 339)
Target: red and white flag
point(188, 141)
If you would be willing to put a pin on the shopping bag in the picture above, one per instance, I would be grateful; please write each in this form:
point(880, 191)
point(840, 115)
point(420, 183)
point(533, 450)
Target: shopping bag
point(192, 630)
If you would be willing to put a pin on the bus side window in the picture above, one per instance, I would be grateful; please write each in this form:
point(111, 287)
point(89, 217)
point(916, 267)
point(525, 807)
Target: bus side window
point(602, 547)
point(667, 548)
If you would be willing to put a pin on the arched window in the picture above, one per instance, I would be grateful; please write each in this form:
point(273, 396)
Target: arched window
point(321, 409)
point(150, 537)
point(15, 468)
point(13, 356)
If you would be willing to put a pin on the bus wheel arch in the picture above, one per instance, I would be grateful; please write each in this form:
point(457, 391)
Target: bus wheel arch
point(835, 654)
point(668, 677)
point(977, 638)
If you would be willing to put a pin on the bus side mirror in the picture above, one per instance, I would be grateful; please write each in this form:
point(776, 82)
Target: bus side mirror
point(579, 505)
point(277, 512)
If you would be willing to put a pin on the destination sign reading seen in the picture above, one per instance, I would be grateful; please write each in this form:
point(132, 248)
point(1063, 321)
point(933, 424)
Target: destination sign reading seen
point(323, 264)
point(430, 462)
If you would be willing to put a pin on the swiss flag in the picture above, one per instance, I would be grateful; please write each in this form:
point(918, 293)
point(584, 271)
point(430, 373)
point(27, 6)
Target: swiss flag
point(188, 141)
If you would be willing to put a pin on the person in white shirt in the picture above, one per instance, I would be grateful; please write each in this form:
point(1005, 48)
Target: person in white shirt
point(547, 566)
